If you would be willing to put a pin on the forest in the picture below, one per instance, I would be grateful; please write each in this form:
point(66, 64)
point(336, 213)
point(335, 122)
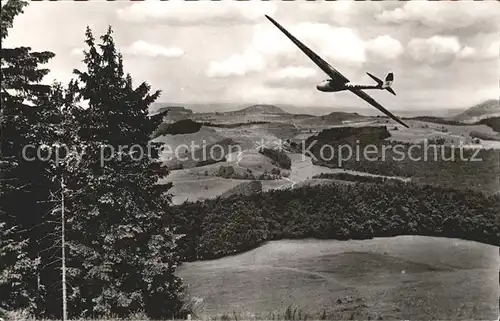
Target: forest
point(493, 122)
point(185, 126)
point(219, 227)
point(433, 163)
point(279, 157)
point(355, 178)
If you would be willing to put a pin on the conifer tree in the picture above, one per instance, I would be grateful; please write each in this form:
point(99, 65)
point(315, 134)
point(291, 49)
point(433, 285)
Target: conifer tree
point(122, 255)
point(24, 183)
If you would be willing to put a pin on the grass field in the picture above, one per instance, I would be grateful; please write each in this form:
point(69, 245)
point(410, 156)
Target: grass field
point(404, 277)
point(192, 184)
point(195, 189)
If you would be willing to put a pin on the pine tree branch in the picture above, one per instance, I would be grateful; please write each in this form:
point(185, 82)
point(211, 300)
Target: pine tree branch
point(48, 264)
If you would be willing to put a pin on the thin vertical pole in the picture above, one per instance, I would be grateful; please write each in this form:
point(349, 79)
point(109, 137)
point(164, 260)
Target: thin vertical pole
point(63, 254)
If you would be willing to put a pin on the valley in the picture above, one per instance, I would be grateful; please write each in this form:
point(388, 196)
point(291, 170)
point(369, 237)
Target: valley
point(239, 134)
point(312, 240)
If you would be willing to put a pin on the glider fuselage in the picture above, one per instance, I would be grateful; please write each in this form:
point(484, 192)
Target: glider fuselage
point(330, 85)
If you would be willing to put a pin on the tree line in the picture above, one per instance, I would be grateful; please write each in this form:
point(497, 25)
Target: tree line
point(223, 226)
point(278, 156)
point(355, 178)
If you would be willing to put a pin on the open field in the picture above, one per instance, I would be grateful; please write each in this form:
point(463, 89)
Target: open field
point(202, 183)
point(404, 277)
point(196, 189)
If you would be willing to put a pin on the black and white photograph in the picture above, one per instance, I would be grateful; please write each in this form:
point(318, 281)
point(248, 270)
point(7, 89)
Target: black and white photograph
point(249, 160)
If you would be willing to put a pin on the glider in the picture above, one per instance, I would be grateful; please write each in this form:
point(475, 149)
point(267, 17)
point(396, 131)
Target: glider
point(339, 82)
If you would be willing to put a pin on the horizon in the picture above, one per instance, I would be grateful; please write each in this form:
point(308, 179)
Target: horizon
point(313, 110)
point(443, 55)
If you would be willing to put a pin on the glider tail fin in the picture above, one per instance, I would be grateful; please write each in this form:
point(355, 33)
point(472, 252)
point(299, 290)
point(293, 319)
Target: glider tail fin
point(378, 81)
point(389, 79)
point(386, 84)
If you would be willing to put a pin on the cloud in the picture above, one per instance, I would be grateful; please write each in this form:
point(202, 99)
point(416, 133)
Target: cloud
point(385, 47)
point(339, 44)
point(293, 77)
point(438, 49)
point(209, 34)
point(76, 52)
point(340, 12)
point(434, 50)
point(295, 73)
point(143, 48)
point(467, 53)
point(445, 15)
point(181, 13)
point(271, 49)
point(236, 65)
point(493, 50)
point(483, 53)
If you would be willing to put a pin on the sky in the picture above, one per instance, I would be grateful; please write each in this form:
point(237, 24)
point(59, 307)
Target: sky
point(443, 54)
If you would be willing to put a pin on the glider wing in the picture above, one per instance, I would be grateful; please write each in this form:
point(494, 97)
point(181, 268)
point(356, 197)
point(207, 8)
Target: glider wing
point(361, 94)
point(329, 70)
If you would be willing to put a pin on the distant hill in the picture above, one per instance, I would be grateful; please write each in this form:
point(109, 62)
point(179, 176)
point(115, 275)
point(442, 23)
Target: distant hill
point(211, 107)
point(258, 109)
point(171, 113)
point(487, 109)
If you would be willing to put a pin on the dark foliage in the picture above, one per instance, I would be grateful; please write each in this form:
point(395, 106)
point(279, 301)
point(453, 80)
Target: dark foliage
point(225, 172)
point(437, 120)
point(122, 256)
point(437, 141)
point(279, 157)
point(220, 227)
point(481, 135)
point(205, 155)
point(26, 121)
point(245, 188)
point(185, 126)
point(425, 163)
point(355, 178)
point(361, 135)
point(205, 162)
point(493, 122)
